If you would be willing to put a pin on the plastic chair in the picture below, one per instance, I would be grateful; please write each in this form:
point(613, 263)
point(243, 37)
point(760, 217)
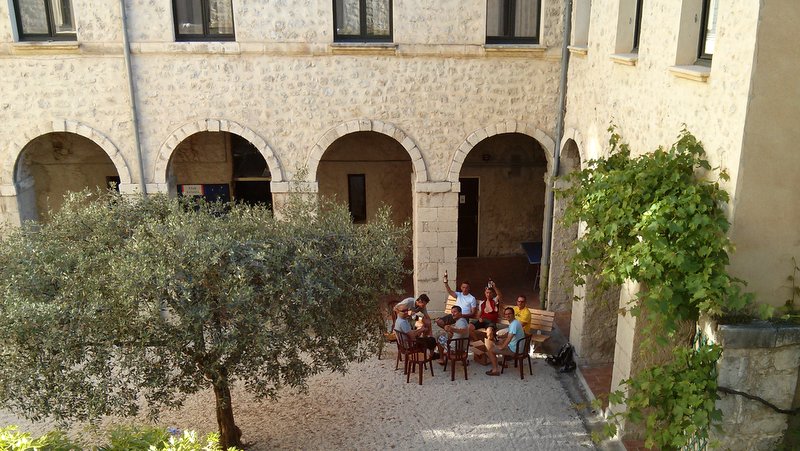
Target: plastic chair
point(416, 357)
point(519, 356)
point(457, 352)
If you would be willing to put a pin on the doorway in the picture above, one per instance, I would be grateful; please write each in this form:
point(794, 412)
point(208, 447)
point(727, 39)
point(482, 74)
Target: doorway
point(468, 217)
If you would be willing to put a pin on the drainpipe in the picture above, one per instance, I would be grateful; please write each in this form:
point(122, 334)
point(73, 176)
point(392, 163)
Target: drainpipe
point(547, 240)
point(132, 92)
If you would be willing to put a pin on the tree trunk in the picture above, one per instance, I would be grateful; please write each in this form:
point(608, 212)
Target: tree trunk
point(229, 433)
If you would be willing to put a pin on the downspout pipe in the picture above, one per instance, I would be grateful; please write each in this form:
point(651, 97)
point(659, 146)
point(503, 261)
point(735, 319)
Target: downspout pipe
point(126, 48)
point(547, 241)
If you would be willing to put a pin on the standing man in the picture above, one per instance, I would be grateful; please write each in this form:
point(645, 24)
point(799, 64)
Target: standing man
point(508, 344)
point(419, 305)
point(467, 302)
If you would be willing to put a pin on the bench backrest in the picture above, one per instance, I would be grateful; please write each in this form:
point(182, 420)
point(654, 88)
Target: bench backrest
point(541, 320)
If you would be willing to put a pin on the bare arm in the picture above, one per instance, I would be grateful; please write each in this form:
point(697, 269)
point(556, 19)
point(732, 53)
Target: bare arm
point(449, 291)
point(499, 297)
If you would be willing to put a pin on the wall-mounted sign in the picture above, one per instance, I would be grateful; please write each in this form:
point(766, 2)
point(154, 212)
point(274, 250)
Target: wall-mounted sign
point(191, 190)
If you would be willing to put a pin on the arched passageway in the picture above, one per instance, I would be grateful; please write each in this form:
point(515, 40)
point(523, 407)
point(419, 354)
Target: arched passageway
point(368, 170)
point(54, 164)
point(501, 206)
point(220, 166)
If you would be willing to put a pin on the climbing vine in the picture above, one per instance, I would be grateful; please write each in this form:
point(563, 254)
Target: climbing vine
point(658, 219)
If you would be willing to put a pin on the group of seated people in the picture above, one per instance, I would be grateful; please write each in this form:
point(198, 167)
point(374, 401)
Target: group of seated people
point(468, 318)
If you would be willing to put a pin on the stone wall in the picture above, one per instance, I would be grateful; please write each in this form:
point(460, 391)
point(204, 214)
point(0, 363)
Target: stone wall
point(763, 360)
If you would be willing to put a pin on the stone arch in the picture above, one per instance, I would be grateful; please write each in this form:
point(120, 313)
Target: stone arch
point(572, 134)
point(213, 125)
point(11, 167)
point(512, 126)
point(367, 125)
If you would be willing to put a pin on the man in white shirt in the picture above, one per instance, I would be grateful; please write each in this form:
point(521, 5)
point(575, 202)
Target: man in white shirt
point(467, 302)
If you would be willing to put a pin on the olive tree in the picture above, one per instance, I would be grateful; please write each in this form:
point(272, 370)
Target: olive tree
point(117, 303)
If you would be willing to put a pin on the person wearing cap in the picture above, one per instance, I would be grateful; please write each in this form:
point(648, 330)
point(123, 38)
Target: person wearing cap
point(418, 305)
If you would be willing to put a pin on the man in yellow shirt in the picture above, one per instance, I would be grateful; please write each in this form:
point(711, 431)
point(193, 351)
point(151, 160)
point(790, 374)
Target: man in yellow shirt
point(522, 314)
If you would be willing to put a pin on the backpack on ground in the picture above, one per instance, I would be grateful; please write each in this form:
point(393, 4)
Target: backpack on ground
point(564, 358)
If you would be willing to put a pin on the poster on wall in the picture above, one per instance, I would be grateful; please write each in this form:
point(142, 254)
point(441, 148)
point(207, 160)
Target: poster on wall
point(211, 192)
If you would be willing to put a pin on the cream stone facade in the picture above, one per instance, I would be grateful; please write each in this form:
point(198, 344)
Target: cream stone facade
point(416, 115)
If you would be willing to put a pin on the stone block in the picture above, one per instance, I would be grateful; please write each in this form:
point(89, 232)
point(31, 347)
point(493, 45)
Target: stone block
point(427, 214)
point(760, 334)
point(732, 371)
point(786, 358)
point(428, 239)
point(447, 239)
point(787, 335)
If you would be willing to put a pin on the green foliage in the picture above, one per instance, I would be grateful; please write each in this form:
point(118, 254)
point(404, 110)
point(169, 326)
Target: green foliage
point(135, 438)
point(657, 219)
point(121, 438)
point(12, 439)
point(117, 300)
point(791, 310)
point(654, 219)
point(675, 402)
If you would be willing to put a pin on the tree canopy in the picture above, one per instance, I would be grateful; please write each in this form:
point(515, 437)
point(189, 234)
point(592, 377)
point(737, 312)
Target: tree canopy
point(115, 300)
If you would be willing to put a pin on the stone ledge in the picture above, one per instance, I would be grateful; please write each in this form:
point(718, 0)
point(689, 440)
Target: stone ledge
point(625, 59)
point(530, 50)
point(578, 50)
point(363, 48)
point(758, 334)
point(694, 73)
point(45, 47)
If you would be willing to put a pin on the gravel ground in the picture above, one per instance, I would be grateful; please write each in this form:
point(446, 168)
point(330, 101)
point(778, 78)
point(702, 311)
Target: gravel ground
point(372, 407)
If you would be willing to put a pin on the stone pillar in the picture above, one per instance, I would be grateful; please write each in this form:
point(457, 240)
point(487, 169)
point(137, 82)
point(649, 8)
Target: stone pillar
point(593, 327)
point(625, 350)
point(18, 202)
point(561, 282)
point(435, 239)
point(760, 359)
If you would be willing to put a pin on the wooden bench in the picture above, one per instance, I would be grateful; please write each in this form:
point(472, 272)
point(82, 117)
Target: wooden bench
point(541, 324)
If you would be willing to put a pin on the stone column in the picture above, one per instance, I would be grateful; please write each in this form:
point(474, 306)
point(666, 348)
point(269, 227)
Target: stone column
point(593, 327)
point(18, 202)
point(626, 346)
point(435, 238)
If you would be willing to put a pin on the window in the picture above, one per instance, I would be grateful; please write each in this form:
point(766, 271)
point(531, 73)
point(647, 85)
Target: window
point(637, 29)
point(512, 21)
point(203, 20)
point(357, 197)
point(45, 20)
point(362, 20)
point(708, 32)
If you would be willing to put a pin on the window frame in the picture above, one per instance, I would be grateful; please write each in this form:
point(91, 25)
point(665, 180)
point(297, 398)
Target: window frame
point(508, 17)
point(205, 37)
point(704, 58)
point(51, 35)
point(362, 26)
point(637, 26)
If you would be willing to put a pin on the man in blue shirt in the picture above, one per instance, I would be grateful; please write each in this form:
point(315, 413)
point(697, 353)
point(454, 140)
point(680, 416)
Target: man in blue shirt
point(506, 345)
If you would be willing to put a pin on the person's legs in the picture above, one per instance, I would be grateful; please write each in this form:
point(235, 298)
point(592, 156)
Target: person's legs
point(490, 351)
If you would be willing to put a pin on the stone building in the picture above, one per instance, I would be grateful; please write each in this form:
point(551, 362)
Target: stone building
point(421, 105)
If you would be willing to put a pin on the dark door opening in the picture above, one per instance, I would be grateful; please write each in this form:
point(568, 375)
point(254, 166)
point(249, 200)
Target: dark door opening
point(468, 217)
